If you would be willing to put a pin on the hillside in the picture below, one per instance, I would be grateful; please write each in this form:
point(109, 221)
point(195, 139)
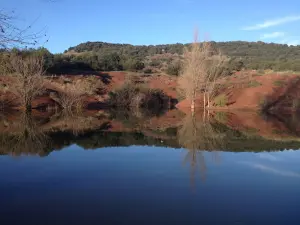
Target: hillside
point(251, 55)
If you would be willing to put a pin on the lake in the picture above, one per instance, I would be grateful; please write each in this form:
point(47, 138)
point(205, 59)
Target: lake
point(216, 168)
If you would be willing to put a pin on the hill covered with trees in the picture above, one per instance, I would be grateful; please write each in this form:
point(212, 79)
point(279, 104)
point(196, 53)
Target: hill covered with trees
point(248, 55)
point(102, 56)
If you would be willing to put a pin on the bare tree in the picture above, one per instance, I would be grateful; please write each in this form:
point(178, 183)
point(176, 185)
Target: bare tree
point(13, 36)
point(214, 72)
point(201, 68)
point(70, 94)
point(28, 81)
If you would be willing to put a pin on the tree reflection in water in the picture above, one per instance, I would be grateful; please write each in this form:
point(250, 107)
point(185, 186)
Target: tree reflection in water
point(197, 133)
point(26, 138)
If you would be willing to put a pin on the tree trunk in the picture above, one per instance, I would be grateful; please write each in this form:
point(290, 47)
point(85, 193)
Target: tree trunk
point(204, 112)
point(204, 100)
point(28, 108)
point(208, 100)
point(27, 105)
point(193, 105)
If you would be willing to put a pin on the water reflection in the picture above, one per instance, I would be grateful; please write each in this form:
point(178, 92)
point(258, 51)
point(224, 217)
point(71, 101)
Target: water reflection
point(25, 138)
point(95, 166)
point(43, 132)
point(195, 133)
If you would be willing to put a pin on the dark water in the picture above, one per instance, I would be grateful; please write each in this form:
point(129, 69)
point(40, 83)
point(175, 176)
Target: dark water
point(113, 177)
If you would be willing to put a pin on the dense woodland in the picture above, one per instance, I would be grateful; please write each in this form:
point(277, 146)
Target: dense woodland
point(101, 56)
point(249, 55)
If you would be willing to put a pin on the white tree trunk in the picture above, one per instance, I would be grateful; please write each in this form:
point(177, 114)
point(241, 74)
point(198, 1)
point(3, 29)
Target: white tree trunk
point(193, 105)
point(208, 100)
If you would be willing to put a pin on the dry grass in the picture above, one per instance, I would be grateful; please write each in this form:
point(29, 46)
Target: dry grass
point(254, 83)
point(71, 94)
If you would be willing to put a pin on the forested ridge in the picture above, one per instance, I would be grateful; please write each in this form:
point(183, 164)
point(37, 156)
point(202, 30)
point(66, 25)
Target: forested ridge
point(253, 55)
point(102, 56)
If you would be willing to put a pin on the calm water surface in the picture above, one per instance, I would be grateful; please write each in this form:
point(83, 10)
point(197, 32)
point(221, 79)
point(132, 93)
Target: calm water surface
point(128, 183)
point(150, 185)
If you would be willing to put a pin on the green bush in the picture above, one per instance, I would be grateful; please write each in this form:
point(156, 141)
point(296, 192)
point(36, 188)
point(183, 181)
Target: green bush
point(222, 117)
point(174, 68)
point(130, 95)
point(278, 83)
point(260, 72)
point(147, 70)
point(221, 100)
point(296, 104)
point(254, 83)
point(155, 63)
point(133, 65)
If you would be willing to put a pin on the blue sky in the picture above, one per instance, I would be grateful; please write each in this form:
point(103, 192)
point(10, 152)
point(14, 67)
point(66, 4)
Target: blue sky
point(70, 22)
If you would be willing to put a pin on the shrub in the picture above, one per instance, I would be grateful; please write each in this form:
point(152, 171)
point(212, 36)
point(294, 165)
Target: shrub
point(221, 100)
point(254, 83)
point(265, 103)
point(133, 96)
point(155, 63)
point(147, 70)
point(278, 83)
point(296, 104)
point(70, 95)
point(133, 65)
point(222, 117)
point(251, 130)
point(174, 68)
point(260, 72)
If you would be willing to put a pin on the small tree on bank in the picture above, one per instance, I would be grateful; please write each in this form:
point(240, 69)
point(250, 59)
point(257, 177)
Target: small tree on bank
point(28, 80)
point(71, 94)
point(201, 68)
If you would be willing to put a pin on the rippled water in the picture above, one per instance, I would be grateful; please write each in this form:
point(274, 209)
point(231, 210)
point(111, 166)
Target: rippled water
point(205, 173)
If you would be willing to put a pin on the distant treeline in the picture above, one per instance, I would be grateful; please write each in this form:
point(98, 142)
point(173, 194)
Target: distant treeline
point(249, 55)
point(101, 56)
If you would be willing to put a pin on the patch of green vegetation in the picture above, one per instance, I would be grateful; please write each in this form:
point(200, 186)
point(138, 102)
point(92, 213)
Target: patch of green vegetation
point(278, 83)
point(263, 104)
point(251, 130)
point(254, 83)
point(221, 100)
point(296, 104)
point(260, 72)
point(279, 132)
point(222, 117)
point(179, 95)
point(174, 68)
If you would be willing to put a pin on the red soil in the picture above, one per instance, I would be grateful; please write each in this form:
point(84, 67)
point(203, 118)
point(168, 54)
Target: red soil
point(166, 83)
point(116, 79)
point(240, 92)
